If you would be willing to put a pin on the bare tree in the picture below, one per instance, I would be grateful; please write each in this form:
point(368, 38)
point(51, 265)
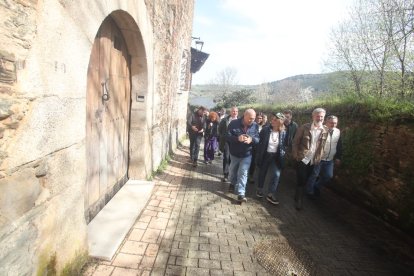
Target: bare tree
point(288, 91)
point(225, 79)
point(224, 83)
point(374, 37)
point(347, 54)
point(398, 17)
point(375, 44)
point(263, 93)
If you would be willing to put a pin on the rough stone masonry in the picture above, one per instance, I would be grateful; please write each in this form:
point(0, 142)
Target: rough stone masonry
point(45, 54)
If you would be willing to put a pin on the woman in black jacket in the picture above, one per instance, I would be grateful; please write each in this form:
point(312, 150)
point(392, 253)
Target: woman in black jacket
point(270, 156)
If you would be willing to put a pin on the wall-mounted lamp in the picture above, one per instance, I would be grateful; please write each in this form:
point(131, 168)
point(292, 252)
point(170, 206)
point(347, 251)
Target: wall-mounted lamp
point(198, 43)
point(197, 56)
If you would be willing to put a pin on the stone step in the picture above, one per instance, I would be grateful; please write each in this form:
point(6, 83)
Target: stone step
point(109, 227)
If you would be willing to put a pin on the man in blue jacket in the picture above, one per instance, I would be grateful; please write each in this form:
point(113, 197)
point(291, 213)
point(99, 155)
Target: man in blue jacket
point(242, 134)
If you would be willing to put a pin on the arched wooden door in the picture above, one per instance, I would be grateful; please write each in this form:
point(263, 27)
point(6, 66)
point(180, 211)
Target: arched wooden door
point(107, 110)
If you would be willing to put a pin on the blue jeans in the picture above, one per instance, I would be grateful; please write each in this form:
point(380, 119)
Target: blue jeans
point(195, 141)
point(239, 168)
point(269, 165)
point(325, 172)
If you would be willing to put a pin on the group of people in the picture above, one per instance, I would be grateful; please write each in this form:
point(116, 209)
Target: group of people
point(251, 145)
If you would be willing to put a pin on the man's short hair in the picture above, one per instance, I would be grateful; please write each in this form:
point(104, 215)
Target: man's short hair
point(318, 110)
point(287, 111)
point(331, 117)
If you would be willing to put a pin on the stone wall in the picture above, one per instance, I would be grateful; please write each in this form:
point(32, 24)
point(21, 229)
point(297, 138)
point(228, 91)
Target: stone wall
point(168, 116)
point(44, 58)
point(380, 175)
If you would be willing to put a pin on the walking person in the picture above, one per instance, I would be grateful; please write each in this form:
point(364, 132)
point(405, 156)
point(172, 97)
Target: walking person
point(223, 145)
point(270, 156)
point(222, 116)
point(332, 154)
point(260, 121)
point(196, 126)
point(291, 128)
point(210, 137)
point(307, 150)
point(242, 134)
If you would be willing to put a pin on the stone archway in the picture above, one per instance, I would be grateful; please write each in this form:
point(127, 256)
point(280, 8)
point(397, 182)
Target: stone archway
point(107, 110)
point(117, 75)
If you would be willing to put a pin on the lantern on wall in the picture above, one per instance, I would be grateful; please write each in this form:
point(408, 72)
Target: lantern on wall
point(197, 56)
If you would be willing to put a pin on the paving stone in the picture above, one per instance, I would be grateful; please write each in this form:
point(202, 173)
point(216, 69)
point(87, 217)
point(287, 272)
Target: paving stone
point(198, 254)
point(136, 234)
point(179, 252)
point(127, 260)
point(244, 273)
point(141, 225)
point(119, 271)
point(161, 260)
point(229, 249)
point(189, 262)
point(158, 223)
point(199, 239)
point(188, 245)
point(232, 265)
point(134, 247)
point(211, 264)
point(220, 256)
point(209, 247)
point(147, 262)
point(152, 250)
point(217, 272)
point(103, 270)
point(151, 235)
point(181, 238)
point(158, 271)
point(197, 271)
point(176, 270)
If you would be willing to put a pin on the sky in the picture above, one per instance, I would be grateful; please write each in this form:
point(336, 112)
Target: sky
point(264, 40)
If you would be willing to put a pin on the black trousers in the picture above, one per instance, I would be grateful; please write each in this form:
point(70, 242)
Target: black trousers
point(226, 160)
point(303, 172)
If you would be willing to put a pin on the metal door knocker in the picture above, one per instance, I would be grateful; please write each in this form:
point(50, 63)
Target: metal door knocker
point(105, 90)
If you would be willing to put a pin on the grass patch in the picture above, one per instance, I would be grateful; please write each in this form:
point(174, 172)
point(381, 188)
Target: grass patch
point(161, 168)
point(76, 265)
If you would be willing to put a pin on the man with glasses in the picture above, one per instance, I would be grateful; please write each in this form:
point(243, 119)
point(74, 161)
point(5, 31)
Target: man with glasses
point(332, 153)
point(307, 150)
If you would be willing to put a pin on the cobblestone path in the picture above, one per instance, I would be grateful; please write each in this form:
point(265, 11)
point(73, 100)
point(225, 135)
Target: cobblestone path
point(192, 225)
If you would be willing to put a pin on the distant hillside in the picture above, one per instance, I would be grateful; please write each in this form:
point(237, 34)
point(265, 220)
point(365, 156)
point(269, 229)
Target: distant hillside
point(204, 90)
point(295, 89)
point(319, 82)
point(204, 94)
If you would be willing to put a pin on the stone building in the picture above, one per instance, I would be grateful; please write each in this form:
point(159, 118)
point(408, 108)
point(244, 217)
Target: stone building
point(92, 93)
